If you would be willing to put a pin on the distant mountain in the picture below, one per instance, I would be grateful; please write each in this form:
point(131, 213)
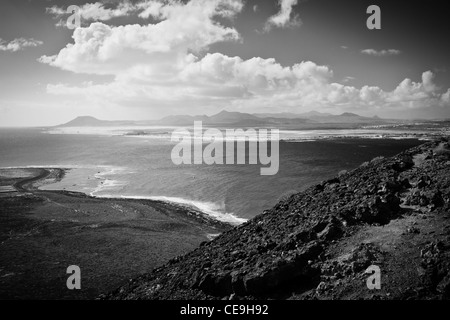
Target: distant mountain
point(231, 117)
point(314, 114)
point(281, 115)
point(347, 117)
point(222, 118)
point(290, 115)
point(226, 118)
point(88, 121)
point(324, 118)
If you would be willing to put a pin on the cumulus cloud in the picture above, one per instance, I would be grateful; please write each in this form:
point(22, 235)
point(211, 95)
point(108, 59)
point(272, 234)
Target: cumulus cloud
point(18, 44)
point(159, 48)
point(446, 97)
point(151, 9)
point(410, 91)
point(167, 63)
point(381, 53)
point(156, 9)
point(285, 17)
point(96, 11)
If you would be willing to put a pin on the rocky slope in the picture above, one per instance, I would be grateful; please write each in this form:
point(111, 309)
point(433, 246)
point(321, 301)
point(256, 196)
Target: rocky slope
point(317, 244)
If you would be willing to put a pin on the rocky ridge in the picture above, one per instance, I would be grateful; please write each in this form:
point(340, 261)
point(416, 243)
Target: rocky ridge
point(317, 244)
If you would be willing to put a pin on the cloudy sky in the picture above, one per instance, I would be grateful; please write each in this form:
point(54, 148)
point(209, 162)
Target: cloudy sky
point(145, 59)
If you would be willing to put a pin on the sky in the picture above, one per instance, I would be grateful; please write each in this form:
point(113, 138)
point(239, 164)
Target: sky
point(146, 59)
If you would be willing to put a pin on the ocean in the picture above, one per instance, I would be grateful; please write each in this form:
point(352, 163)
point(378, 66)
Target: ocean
point(105, 162)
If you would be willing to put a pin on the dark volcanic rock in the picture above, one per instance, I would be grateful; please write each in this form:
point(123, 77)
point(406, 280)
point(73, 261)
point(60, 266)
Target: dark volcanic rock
point(285, 249)
point(293, 267)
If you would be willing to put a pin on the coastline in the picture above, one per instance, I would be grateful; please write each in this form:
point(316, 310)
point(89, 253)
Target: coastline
point(124, 246)
point(391, 213)
point(180, 206)
point(111, 239)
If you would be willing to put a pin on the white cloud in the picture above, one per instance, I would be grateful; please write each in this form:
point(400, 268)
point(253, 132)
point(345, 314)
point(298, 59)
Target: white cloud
point(285, 17)
point(371, 95)
point(151, 9)
point(166, 64)
point(427, 81)
point(18, 44)
point(381, 53)
point(446, 97)
point(160, 48)
point(157, 9)
point(348, 79)
point(412, 91)
point(55, 10)
point(96, 11)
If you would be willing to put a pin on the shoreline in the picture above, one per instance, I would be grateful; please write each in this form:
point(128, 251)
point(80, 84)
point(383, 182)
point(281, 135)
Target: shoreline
point(425, 131)
point(124, 245)
point(42, 232)
point(392, 213)
point(201, 209)
point(57, 174)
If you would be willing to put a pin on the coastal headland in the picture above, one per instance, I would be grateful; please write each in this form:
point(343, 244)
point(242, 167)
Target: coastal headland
point(42, 232)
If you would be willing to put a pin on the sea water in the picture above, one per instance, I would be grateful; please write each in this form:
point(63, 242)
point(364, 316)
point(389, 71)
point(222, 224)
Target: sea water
point(109, 162)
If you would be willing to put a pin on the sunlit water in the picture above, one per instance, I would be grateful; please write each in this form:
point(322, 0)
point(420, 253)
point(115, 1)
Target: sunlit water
point(106, 163)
